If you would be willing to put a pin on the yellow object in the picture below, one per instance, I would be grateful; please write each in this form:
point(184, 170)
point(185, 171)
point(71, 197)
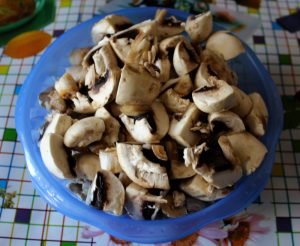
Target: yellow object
point(27, 44)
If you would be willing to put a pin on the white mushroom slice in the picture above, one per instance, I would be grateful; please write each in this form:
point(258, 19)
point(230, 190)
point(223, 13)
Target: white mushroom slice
point(51, 100)
point(133, 90)
point(105, 87)
point(257, 119)
point(159, 152)
point(191, 155)
point(77, 56)
point(164, 66)
point(170, 27)
point(121, 47)
point(109, 25)
point(82, 104)
point(84, 131)
point(78, 73)
point(185, 58)
point(112, 127)
point(106, 56)
point(66, 86)
point(199, 27)
point(87, 166)
point(217, 97)
point(149, 127)
point(243, 149)
point(184, 85)
point(180, 128)
point(225, 178)
point(213, 64)
point(169, 208)
point(179, 171)
point(199, 188)
point(59, 124)
point(170, 43)
point(244, 105)
point(139, 169)
point(106, 193)
point(133, 110)
point(136, 199)
point(54, 156)
point(226, 44)
point(230, 120)
point(173, 102)
point(109, 160)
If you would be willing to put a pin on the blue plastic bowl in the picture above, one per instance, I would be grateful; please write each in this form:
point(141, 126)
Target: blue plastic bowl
point(30, 116)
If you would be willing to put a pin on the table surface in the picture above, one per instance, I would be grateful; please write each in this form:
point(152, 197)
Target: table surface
point(274, 219)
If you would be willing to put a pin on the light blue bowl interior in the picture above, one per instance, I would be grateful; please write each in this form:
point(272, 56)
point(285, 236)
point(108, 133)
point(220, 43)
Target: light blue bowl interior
point(30, 116)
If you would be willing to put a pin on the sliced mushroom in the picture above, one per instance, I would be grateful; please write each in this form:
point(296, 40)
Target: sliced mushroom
point(231, 121)
point(199, 188)
point(130, 90)
point(59, 124)
point(84, 131)
point(244, 105)
point(217, 97)
point(184, 85)
point(66, 86)
point(140, 204)
point(159, 151)
point(125, 180)
point(112, 127)
point(78, 73)
point(170, 27)
point(170, 209)
point(77, 56)
point(199, 27)
point(109, 160)
point(226, 44)
point(106, 193)
point(185, 58)
point(164, 66)
point(51, 100)
point(243, 149)
point(180, 128)
point(109, 25)
point(82, 104)
point(170, 43)
point(87, 166)
point(104, 88)
point(104, 59)
point(213, 64)
point(149, 127)
point(257, 119)
point(139, 169)
point(173, 102)
point(133, 110)
point(55, 156)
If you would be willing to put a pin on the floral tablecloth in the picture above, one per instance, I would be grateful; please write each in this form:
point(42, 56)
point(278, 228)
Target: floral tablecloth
point(273, 219)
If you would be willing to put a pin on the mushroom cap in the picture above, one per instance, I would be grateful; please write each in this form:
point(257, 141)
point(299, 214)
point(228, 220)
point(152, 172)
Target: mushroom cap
point(257, 119)
point(109, 160)
point(226, 44)
point(84, 131)
point(231, 120)
point(180, 128)
point(54, 155)
point(173, 102)
point(59, 124)
point(130, 89)
point(112, 198)
point(139, 169)
point(110, 24)
point(82, 104)
point(243, 149)
point(143, 129)
point(199, 27)
point(244, 105)
point(87, 166)
point(185, 58)
point(217, 97)
point(112, 127)
point(66, 86)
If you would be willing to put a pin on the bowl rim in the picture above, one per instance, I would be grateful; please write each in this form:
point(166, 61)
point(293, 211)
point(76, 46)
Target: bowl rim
point(43, 182)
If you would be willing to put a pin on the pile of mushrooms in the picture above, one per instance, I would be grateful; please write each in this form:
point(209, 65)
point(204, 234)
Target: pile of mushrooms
point(151, 121)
